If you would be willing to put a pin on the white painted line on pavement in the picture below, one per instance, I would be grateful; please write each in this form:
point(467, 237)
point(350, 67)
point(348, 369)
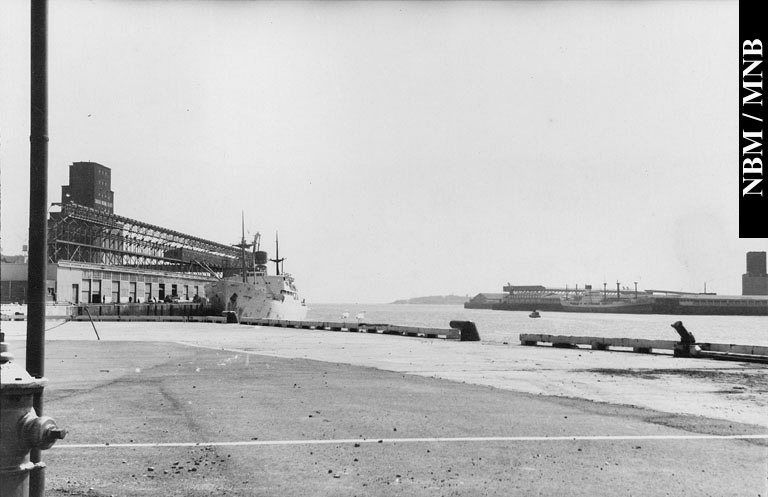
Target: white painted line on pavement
point(588, 438)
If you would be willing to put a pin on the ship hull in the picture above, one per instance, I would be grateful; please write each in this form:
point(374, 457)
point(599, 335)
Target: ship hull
point(248, 300)
point(645, 308)
point(611, 308)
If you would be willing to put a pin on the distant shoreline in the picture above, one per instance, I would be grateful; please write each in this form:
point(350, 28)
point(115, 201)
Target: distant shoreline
point(435, 299)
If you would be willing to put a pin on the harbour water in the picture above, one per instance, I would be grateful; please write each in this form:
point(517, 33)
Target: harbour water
point(505, 326)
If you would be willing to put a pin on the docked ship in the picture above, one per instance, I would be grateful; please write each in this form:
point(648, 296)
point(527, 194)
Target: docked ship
point(590, 300)
point(617, 306)
point(251, 292)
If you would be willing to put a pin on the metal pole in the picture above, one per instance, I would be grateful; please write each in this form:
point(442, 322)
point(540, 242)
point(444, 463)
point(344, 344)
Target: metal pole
point(242, 248)
point(38, 212)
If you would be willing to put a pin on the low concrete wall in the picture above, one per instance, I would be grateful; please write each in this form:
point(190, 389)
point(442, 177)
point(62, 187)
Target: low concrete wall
point(18, 312)
point(159, 309)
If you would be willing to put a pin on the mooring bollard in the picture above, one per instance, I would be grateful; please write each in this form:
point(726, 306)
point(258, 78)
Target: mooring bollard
point(686, 347)
point(468, 330)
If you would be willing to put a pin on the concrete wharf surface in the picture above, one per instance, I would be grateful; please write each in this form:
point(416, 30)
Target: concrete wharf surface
point(292, 425)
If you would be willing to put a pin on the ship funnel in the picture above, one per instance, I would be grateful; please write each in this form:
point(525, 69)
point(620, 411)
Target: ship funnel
point(260, 258)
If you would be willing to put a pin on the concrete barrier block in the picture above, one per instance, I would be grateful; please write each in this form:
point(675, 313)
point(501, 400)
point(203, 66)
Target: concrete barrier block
point(468, 330)
point(564, 345)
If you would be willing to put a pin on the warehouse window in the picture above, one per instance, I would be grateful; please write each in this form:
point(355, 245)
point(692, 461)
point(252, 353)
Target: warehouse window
point(86, 291)
point(96, 291)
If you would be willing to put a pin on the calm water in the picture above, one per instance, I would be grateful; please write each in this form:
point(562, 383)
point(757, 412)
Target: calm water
point(505, 326)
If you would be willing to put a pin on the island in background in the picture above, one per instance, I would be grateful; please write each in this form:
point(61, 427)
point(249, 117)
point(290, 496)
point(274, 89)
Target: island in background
point(435, 299)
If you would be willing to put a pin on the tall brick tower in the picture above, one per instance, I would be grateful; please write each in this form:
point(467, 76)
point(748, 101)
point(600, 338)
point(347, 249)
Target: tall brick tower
point(90, 184)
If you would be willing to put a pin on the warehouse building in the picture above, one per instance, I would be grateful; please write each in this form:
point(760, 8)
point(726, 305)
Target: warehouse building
point(98, 257)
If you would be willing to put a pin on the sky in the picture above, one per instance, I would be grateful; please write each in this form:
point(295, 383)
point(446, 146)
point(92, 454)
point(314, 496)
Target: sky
point(402, 149)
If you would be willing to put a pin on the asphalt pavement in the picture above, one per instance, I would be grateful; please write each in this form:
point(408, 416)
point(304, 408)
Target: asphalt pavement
point(165, 418)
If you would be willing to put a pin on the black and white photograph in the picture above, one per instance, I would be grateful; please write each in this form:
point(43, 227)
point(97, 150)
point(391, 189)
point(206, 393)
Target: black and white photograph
point(382, 248)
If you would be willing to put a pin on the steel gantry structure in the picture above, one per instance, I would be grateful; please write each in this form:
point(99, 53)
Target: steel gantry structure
point(82, 234)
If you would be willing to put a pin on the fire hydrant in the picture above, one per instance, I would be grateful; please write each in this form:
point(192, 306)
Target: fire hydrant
point(21, 429)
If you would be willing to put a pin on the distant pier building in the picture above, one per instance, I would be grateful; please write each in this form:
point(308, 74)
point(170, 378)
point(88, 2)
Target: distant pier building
point(752, 302)
point(755, 281)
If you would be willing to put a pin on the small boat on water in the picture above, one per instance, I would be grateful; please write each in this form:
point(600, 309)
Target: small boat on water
point(534, 314)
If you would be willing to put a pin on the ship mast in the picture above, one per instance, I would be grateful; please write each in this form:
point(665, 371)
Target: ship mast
point(277, 260)
point(242, 246)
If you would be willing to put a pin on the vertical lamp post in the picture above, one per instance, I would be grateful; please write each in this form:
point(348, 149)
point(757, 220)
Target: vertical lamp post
point(38, 212)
